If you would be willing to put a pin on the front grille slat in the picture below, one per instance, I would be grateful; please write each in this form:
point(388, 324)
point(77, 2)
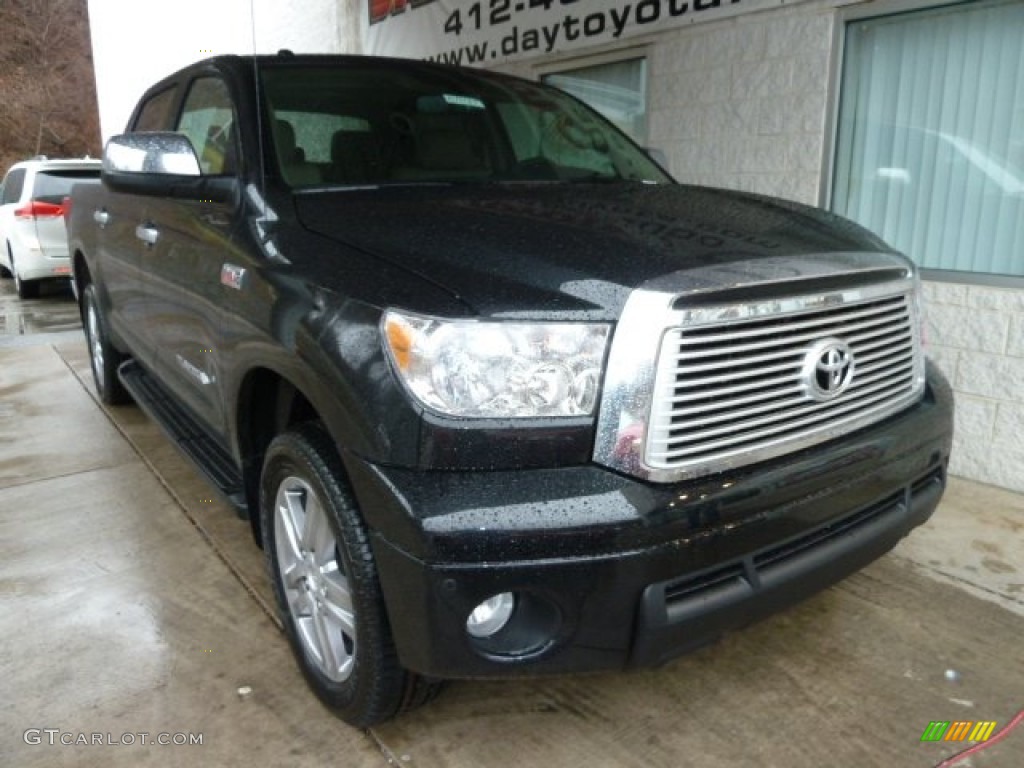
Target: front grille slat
point(884, 376)
point(733, 413)
point(732, 375)
point(772, 395)
point(860, 337)
point(708, 449)
point(886, 343)
point(872, 326)
point(749, 328)
point(690, 396)
point(741, 385)
point(864, 396)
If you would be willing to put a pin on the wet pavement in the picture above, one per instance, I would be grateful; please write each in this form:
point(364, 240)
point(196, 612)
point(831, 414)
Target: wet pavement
point(133, 601)
point(22, 321)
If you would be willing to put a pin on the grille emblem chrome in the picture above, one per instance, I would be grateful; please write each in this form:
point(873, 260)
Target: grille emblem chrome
point(827, 369)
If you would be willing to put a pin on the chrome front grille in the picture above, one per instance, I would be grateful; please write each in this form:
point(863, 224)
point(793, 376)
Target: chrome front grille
point(725, 365)
point(747, 386)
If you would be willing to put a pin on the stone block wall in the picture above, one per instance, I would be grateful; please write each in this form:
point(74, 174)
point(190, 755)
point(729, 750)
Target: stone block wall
point(976, 335)
point(741, 103)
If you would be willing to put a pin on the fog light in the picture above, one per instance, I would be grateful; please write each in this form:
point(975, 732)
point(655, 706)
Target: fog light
point(491, 616)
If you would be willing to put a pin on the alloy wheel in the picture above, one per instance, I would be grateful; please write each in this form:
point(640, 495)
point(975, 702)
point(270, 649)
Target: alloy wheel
point(95, 344)
point(316, 588)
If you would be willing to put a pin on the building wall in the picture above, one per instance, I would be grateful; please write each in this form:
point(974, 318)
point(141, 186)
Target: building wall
point(976, 335)
point(135, 45)
point(742, 103)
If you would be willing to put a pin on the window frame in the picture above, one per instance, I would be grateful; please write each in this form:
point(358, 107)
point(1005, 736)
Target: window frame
point(569, 63)
point(170, 116)
point(844, 17)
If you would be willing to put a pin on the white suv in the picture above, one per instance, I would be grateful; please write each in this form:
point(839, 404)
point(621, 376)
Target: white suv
point(33, 237)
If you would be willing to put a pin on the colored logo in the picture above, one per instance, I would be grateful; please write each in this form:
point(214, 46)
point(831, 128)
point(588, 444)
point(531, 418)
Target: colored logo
point(381, 9)
point(958, 730)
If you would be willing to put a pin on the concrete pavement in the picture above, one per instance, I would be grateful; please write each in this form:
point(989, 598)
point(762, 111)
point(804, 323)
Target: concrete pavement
point(133, 601)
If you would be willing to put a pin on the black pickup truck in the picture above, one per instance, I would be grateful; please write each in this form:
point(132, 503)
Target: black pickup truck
point(498, 396)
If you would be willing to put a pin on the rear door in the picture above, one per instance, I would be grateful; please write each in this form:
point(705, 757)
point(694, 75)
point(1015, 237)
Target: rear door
point(192, 242)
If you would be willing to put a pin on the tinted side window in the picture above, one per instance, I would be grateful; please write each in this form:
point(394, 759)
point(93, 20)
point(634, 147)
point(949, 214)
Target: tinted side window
point(12, 186)
point(155, 114)
point(208, 119)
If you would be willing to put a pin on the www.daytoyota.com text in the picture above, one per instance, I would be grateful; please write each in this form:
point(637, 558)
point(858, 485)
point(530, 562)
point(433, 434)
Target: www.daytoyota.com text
point(500, 22)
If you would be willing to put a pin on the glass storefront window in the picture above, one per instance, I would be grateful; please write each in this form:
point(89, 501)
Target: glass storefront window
point(930, 143)
point(618, 90)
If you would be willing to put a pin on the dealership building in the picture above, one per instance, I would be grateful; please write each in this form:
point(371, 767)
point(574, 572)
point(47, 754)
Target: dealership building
point(872, 110)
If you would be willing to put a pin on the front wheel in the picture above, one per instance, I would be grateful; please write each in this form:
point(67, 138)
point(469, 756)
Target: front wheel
point(325, 583)
point(104, 357)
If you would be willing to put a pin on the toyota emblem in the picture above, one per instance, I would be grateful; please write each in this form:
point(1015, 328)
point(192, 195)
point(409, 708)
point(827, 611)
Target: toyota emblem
point(827, 369)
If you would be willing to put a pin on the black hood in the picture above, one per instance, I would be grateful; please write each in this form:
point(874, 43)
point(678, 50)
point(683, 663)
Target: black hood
point(528, 249)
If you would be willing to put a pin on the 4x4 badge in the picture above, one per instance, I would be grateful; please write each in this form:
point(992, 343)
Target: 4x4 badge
point(232, 276)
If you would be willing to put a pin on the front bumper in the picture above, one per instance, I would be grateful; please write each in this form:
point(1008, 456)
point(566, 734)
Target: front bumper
point(614, 572)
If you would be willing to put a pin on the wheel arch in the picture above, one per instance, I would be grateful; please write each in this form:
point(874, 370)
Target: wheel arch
point(80, 276)
point(268, 403)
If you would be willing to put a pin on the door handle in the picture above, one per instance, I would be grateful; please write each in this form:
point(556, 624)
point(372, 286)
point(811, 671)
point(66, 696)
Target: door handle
point(101, 217)
point(147, 234)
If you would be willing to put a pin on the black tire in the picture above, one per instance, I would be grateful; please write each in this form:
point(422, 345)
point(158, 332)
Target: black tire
point(5, 271)
point(104, 357)
point(333, 596)
point(26, 289)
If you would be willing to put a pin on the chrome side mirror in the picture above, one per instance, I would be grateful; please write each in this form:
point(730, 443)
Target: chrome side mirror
point(163, 165)
point(166, 154)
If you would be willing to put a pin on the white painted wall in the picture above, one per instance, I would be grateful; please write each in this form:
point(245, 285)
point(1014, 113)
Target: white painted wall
point(137, 43)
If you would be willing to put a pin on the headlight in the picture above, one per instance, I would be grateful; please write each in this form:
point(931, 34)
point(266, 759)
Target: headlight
point(497, 369)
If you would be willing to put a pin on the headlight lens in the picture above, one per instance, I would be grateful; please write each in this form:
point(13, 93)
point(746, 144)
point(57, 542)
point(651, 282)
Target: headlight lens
point(495, 369)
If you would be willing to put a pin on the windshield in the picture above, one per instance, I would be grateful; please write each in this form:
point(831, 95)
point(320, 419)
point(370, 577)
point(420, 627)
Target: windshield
point(361, 124)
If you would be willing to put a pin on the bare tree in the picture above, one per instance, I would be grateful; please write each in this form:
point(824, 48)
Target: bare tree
point(47, 86)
